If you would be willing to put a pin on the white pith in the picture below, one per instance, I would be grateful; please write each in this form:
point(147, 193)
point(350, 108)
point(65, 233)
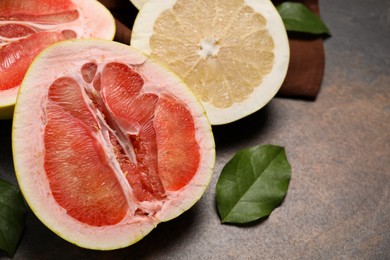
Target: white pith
point(87, 26)
point(65, 59)
point(208, 48)
point(143, 30)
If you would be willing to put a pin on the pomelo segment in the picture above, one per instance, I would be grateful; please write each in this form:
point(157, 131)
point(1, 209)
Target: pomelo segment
point(233, 54)
point(107, 143)
point(29, 26)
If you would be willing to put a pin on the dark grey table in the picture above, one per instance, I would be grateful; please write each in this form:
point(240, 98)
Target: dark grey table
point(337, 205)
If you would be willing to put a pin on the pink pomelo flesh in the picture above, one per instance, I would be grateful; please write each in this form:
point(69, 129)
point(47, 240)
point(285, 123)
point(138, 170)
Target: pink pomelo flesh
point(16, 57)
point(165, 155)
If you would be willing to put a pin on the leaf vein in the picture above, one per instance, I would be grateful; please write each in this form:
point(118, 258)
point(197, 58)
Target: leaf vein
point(249, 188)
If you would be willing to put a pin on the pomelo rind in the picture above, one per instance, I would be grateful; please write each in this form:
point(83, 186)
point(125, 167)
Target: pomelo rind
point(29, 164)
point(104, 29)
point(138, 3)
point(7, 102)
point(262, 95)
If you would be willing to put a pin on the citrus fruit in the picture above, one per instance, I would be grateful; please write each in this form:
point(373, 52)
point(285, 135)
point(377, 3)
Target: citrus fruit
point(233, 54)
point(107, 143)
point(28, 26)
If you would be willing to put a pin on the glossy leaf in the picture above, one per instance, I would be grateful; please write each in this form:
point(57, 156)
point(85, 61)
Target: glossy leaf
point(298, 18)
point(12, 217)
point(252, 184)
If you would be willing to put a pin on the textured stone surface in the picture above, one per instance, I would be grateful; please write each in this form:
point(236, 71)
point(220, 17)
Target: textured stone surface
point(337, 205)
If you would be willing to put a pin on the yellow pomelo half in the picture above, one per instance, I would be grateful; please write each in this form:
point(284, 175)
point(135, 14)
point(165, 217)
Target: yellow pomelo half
point(233, 54)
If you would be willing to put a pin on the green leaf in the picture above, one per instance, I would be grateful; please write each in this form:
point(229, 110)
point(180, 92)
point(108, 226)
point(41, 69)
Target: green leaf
point(12, 217)
point(298, 18)
point(252, 184)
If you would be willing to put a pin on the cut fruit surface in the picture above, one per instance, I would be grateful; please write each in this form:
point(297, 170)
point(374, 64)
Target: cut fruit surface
point(233, 54)
point(29, 26)
point(108, 143)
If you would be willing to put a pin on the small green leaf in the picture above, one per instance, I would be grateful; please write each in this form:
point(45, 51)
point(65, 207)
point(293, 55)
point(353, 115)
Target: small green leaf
point(298, 18)
point(12, 217)
point(252, 184)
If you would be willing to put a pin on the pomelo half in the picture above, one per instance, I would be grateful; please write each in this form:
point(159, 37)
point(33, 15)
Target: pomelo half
point(28, 26)
point(108, 143)
point(233, 54)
